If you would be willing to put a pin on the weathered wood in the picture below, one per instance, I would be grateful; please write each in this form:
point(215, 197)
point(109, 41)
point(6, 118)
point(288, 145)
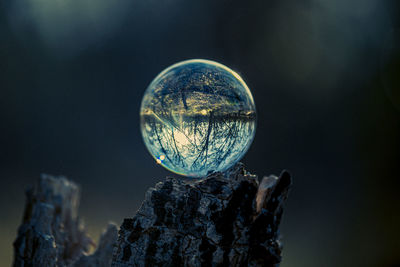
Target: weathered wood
point(226, 219)
point(52, 234)
point(102, 256)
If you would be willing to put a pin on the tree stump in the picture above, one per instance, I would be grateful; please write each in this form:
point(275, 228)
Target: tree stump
point(225, 219)
point(52, 234)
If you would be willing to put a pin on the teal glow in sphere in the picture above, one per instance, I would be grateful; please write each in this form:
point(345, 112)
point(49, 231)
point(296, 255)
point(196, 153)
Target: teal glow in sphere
point(197, 117)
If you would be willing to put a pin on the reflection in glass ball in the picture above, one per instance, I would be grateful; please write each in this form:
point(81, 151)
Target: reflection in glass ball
point(197, 116)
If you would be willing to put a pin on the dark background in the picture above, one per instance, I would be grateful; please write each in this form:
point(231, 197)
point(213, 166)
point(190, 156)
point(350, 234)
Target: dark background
point(325, 76)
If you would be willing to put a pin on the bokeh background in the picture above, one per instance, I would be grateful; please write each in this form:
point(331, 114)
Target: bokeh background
point(325, 76)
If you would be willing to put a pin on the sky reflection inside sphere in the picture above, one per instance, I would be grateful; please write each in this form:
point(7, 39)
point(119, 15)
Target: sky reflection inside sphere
point(197, 116)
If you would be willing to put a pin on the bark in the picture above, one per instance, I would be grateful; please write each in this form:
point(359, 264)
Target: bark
point(51, 233)
point(225, 219)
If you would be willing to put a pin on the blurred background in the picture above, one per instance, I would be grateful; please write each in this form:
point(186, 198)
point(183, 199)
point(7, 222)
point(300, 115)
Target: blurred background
point(325, 76)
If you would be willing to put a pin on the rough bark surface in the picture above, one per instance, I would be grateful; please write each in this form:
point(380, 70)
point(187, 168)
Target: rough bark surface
point(51, 233)
point(226, 219)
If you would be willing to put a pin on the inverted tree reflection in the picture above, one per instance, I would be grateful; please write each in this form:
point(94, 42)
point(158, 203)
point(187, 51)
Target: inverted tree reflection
point(197, 116)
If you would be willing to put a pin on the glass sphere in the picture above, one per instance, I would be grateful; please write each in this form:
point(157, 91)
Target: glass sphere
point(197, 116)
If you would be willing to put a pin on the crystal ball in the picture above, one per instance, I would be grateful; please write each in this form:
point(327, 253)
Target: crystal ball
point(197, 117)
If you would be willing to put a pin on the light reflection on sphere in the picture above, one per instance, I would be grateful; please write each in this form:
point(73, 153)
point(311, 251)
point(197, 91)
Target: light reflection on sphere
point(197, 116)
